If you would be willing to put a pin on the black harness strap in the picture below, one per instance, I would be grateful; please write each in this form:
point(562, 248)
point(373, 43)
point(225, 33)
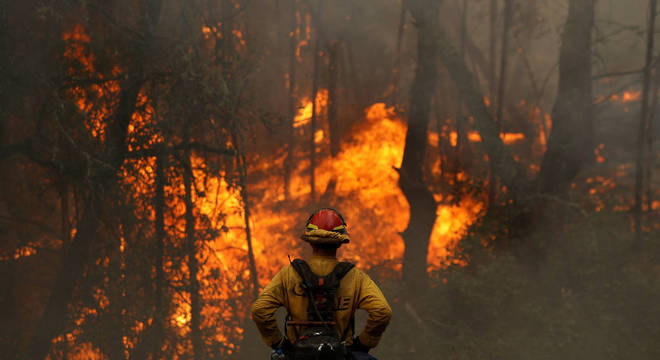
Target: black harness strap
point(313, 281)
point(309, 279)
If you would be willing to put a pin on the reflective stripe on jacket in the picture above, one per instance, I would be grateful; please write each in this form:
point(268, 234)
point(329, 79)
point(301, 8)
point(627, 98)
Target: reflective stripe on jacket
point(356, 291)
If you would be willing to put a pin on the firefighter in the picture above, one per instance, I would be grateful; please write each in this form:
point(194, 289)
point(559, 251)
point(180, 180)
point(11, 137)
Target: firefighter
point(325, 231)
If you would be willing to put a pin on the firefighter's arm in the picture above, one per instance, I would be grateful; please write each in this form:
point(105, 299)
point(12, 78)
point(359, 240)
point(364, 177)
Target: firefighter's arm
point(373, 301)
point(264, 308)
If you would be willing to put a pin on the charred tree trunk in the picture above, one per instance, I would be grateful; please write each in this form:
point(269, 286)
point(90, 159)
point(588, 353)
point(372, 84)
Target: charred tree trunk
point(650, 163)
point(492, 80)
point(114, 344)
point(160, 317)
point(288, 162)
point(397, 61)
point(312, 148)
point(411, 175)
point(65, 217)
point(570, 144)
point(4, 68)
point(504, 59)
point(191, 250)
point(333, 124)
point(242, 178)
point(643, 120)
point(460, 120)
point(501, 87)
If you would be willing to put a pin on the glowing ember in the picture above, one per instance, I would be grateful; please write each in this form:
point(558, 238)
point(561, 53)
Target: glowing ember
point(599, 153)
point(629, 96)
point(475, 137)
point(511, 138)
point(622, 98)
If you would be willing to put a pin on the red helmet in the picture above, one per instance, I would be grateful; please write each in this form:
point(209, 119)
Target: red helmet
point(326, 219)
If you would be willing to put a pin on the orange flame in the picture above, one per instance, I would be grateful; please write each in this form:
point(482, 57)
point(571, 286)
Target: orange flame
point(304, 115)
point(361, 181)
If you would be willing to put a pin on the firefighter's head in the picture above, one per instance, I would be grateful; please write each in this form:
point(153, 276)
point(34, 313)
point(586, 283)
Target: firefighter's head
point(325, 228)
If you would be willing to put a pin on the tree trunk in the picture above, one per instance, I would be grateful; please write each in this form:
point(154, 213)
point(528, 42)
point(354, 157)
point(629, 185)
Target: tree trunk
point(460, 119)
point(501, 87)
point(288, 162)
point(4, 68)
point(65, 219)
point(643, 120)
point(504, 57)
point(312, 145)
point(160, 318)
point(492, 80)
point(570, 145)
point(650, 156)
point(411, 175)
point(113, 339)
point(397, 59)
point(242, 178)
point(191, 250)
point(353, 69)
point(333, 124)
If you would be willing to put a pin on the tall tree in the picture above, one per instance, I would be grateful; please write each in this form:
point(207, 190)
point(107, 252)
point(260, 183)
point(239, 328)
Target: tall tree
point(650, 158)
point(191, 249)
point(411, 175)
point(312, 143)
point(333, 121)
point(501, 87)
point(570, 144)
point(4, 67)
point(397, 60)
point(460, 118)
point(288, 162)
point(160, 316)
point(504, 59)
point(243, 183)
point(492, 79)
point(643, 119)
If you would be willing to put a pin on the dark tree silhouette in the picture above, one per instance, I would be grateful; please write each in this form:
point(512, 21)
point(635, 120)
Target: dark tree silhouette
point(644, 121)
point(411, 174)
point(571, 141)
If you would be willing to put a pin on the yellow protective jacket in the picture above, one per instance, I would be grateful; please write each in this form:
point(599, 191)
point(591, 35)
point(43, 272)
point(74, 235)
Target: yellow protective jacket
point(356, 291)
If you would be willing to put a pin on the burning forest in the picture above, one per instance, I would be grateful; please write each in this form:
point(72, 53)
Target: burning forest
point(496, 163)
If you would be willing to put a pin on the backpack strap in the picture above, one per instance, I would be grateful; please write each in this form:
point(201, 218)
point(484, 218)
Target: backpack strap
point(309, 279)
point(332, 280)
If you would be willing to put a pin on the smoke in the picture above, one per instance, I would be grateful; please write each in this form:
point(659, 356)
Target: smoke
point(568, 283)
